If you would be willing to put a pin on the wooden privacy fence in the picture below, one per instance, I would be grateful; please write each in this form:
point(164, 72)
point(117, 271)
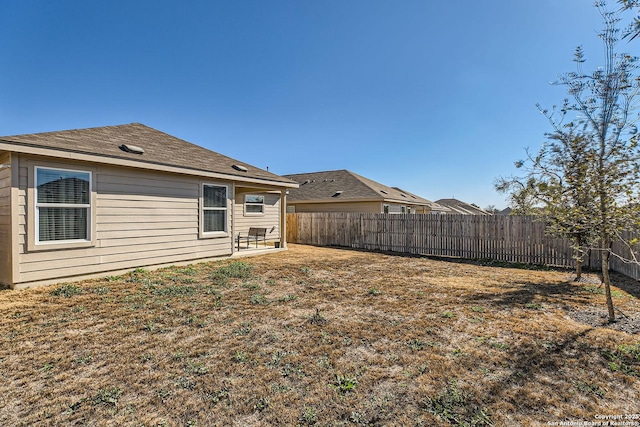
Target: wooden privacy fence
point(497, 237)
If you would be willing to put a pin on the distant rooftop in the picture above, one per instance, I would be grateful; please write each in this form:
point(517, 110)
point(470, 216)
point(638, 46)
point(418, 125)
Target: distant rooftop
point(460, 207)
point(348, 186)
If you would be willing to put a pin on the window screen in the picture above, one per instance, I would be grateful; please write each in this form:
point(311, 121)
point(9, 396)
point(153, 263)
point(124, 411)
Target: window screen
point(214, 208)
point(254, 204)
point(63, 204)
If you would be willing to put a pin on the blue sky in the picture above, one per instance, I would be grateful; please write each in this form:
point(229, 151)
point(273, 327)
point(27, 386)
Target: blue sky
point(435, 97)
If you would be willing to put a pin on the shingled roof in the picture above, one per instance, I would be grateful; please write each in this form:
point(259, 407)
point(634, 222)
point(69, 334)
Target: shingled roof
point(344, 185)
point(460, 207)
point(436, 208)
point(106, 144)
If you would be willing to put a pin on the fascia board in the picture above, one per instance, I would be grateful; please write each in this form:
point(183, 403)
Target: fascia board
point(72, 155)
point(407, 202)
point(330, 200)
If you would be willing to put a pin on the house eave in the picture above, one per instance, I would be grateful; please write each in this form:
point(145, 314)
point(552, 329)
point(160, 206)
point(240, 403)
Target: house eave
point(352, 200)
point(407, 202)
point(140, 164)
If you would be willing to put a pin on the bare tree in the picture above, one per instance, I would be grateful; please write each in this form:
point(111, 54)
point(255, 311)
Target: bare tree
point(633, 30)
point(585, 177)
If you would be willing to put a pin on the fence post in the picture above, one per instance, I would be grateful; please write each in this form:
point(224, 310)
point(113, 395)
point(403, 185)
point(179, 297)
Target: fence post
point(513, 238)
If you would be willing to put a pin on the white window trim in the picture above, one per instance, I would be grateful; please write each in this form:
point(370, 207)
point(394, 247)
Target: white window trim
point(213, 234)
point(38, 205)
point(254, 204)
point(33, 227)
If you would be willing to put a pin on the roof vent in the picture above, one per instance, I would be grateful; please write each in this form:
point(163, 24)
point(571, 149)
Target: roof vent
point(240, 168)
point(403, 195)
point(132, 149)
point(338, 193)
point(383, 192)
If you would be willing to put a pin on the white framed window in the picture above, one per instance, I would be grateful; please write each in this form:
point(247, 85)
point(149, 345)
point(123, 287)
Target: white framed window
point(213, 212)
point(253, 204)
point(63, 211)
point(403, 209)
point(385, 208)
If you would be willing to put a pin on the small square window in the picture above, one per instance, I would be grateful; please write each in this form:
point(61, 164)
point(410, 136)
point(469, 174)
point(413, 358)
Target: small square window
point(253, 204)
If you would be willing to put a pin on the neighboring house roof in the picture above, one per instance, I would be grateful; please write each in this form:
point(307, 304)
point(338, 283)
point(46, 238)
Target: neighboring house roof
point(505, 211)
point(161, 151)
point(434, 206)
point(343, 186)
point(460, 207)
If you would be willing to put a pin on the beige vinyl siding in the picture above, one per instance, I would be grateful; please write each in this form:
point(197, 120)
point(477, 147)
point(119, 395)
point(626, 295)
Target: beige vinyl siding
point(270, 220)
point(142, 218)
point(420, 210)
point(360, 207)
point(22, 204)
point(409, 209)
point(5, 221)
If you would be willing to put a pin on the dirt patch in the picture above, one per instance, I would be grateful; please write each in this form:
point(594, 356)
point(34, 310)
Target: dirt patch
point(596, 317)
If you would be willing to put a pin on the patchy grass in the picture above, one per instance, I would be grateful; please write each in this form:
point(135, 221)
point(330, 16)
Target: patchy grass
point(317, 336)
point(66, 290)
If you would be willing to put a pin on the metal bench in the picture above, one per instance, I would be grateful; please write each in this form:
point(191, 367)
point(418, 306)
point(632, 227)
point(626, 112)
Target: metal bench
point(255, 233)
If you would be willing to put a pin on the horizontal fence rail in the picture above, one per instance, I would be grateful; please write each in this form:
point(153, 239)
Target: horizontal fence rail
point(497, 237)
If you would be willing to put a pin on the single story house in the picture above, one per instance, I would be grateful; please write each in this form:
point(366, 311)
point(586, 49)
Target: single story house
point(89, 202)
point(345, 191)
point(456, 206)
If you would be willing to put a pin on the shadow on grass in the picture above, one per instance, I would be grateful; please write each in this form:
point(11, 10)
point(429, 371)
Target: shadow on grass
point(534, 360)
point(619, 280)
point(524, 293)
point(627, 284)
point(574, 299)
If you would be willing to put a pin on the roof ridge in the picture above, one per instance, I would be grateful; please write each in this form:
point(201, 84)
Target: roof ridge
point(160, 148)
point(313, 173)
point(367, 183)
point(358, 186)
point(93, 128)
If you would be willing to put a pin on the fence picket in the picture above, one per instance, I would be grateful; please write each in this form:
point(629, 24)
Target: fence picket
point(508, 238)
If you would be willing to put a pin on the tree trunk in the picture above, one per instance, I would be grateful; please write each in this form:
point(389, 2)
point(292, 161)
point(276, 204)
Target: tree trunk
point(607, 281)
point(578, 257)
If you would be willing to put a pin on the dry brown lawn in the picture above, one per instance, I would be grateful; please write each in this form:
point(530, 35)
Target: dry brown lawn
point(319, 336)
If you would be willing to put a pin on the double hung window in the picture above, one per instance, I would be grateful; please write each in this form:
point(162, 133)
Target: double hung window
point(63, 205)
point(214, 208)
